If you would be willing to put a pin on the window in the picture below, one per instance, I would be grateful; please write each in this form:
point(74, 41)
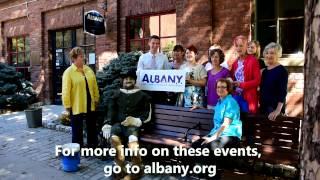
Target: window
point(62, 43)
point(67, 39)
point(63, 46)
point(140, 28)
point(19, 54)
point(281, 21)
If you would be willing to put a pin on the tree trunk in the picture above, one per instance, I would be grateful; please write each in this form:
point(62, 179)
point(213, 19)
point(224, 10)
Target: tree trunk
point(310, 145)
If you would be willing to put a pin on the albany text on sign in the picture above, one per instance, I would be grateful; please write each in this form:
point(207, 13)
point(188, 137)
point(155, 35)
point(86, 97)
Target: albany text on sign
point(162, 80)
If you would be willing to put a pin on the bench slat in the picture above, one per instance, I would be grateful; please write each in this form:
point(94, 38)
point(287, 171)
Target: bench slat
point(181, 124)
point(277, 143)
point(273, 129)
point(269, 135)
point(163, 140)
point(182, 119)
point(180, 130)
point(176, 108)
point(259, 117)
point(184, 113)
point(276, 124)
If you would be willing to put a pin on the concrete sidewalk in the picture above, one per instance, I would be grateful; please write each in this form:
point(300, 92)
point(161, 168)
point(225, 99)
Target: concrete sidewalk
point(29, 153)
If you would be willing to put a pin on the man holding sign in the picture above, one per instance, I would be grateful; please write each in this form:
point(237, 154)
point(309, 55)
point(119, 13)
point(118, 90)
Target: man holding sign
point(154, 60)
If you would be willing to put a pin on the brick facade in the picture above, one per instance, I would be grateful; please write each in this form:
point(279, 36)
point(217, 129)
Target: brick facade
point(135, 8)
point(199, 22)
point(194, 26)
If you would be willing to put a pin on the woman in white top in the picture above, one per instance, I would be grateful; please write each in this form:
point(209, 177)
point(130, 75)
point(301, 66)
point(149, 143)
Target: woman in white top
point(196, 80)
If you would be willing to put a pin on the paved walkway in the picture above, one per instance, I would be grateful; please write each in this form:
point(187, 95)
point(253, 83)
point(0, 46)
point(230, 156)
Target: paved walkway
point(29, 153)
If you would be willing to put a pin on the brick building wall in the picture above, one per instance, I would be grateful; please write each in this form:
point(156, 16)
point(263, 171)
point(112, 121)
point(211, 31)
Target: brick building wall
point(198, 22)
point(37, 18)
point(136, 7)
point(194, 26)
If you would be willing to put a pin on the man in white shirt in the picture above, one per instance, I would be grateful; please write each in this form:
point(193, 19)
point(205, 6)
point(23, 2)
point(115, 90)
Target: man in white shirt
point(153, 60)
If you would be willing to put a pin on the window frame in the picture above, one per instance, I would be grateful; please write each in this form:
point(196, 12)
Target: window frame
point(25, 67)
point(74, 38)
point(277, 19)
point(145, 38)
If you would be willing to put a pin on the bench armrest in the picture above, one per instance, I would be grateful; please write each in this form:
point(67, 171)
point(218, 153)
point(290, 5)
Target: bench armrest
point(189, 129)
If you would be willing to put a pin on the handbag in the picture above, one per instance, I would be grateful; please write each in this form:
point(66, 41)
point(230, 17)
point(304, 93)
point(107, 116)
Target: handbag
point(243, 104)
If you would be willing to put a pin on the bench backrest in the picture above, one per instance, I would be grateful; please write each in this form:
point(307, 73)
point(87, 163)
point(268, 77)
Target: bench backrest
point(277, 141)
point(175, 121)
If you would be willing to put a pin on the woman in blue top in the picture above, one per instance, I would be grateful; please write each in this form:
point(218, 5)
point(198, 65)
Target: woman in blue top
point(227, 129)
point(274, 81)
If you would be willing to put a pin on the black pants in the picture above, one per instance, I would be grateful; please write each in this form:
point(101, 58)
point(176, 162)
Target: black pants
point(158, 97)
point(77, 128)
point(248, 128)
point(221, 142)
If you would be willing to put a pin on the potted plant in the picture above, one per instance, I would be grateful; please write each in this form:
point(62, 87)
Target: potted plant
point(34, 116)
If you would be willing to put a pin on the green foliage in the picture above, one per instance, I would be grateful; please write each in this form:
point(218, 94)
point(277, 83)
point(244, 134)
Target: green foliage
point(167, 50)
point(109, 78)
point(15, 92)
point(64, 118)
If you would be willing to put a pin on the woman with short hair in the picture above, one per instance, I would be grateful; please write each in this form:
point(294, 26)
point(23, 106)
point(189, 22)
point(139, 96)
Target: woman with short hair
point(178, 57)
point(227, 129)
point(80, 97)
point(273, 88)
point(217, 72)
point(196, 80)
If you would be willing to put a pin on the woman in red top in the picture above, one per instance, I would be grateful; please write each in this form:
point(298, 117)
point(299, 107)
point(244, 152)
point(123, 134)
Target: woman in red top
point(245, 72)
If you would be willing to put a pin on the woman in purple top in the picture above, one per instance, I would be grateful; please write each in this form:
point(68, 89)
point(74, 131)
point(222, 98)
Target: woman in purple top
point(217, 72)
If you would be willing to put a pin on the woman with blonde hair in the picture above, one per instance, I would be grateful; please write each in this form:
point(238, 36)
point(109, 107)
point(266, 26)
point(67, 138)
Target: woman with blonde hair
point(254, 48)
point(245, 72)
point(274, 80)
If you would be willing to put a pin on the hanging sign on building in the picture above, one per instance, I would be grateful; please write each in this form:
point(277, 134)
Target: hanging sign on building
point(93, 23)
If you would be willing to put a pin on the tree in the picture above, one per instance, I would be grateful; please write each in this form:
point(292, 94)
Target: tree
point(310, 150)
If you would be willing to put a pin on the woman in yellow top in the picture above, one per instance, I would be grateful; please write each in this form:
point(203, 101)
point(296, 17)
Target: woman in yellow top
point(80, 96)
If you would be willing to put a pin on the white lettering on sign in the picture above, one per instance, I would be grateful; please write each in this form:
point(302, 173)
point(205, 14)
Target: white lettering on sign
point(95, 18)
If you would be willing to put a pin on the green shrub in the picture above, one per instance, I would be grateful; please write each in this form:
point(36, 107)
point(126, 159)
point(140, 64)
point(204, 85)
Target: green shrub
point(109, 77)
point(16, 93)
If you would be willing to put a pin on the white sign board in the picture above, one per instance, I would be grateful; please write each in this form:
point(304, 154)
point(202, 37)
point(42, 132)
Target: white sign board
point(92, 58)
point(162, 80)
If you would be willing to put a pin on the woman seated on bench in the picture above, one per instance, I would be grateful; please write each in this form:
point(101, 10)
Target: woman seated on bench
point(227, 129)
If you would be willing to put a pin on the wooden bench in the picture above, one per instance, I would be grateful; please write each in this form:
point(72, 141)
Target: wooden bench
point(177, 126)
point(277, 141)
